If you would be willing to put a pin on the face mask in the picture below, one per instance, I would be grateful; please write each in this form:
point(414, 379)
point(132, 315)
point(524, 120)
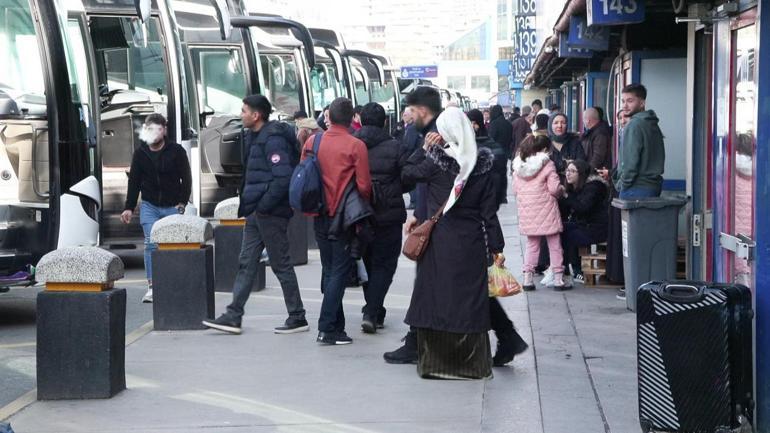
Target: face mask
point(151, 134)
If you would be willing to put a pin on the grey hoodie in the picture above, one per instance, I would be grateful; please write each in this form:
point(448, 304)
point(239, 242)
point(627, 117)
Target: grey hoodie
point(642, 156)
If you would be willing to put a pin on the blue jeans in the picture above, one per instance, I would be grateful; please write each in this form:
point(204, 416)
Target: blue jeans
point(636, 192)
point(336, 266)
point(148, 215)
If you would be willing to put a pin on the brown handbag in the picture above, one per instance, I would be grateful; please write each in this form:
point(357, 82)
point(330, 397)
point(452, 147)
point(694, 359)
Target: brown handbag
point(417, 241)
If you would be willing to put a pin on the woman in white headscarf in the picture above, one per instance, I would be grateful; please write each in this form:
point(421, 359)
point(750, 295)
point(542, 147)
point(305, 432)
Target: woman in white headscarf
point(450, 303)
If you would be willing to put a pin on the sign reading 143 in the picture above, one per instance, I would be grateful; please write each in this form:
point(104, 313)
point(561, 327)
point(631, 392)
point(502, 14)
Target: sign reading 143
point(612, 12)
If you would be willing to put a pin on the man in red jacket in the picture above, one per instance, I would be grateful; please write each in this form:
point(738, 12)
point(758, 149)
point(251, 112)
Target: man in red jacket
point(342, 159)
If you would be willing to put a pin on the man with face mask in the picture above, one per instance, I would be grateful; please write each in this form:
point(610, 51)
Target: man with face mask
point(161, 172)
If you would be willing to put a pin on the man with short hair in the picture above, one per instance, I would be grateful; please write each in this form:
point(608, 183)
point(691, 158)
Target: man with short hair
point(270, 158)
point(597, 140)
point(160, 171)
point(406, 120)
point(342, 159)
point(642, 157)
point(537, 105)
point(521, 127)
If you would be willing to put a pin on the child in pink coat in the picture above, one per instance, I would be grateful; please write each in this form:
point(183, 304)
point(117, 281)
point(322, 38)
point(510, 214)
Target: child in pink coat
point(536, 186)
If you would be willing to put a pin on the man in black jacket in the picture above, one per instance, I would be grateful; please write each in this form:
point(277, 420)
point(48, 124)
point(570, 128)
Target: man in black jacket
point(501, 131)
point(161, 172)
point(386, 159)
point(272, 152)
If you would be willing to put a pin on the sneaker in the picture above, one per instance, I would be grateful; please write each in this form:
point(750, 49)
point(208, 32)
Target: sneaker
point(369, 325)
point(547, 278)
point(292, 327)
point(529, 282)
point(334, 338)
point(406, 354)
point(561, 282)
point(621, 294)
point(580, 278)
point(147, 298)
point(224, 323)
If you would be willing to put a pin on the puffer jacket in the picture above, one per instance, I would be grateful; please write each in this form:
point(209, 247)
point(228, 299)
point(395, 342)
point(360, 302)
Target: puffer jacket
point(387, 158)
point(589, 205)
point(536, 186)
point(268, 169)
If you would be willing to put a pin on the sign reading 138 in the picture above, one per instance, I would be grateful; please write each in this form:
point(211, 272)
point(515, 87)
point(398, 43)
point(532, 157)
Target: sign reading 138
point(613, 12)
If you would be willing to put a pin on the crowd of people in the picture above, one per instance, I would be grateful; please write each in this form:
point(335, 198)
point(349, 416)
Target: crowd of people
point(455, 166)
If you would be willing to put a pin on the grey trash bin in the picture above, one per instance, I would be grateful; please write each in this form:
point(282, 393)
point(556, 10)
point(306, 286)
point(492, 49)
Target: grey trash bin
point(649, 233)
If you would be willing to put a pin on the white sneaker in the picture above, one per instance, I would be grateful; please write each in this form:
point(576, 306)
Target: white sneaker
point(547, 278)
point(147, 298)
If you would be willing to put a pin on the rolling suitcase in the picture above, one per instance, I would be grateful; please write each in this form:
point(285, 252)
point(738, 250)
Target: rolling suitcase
point(694, 354)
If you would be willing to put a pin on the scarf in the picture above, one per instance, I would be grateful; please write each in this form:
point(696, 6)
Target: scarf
point(456, 130)
point(558, 138)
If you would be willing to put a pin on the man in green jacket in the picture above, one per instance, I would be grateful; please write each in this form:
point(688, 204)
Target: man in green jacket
point(642, 156)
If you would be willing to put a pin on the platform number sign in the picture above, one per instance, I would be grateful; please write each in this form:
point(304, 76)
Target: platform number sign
point(524, 39)
point(611, 12)
point(581, 35)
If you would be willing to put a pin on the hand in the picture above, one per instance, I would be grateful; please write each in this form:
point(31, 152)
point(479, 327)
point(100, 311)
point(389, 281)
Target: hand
point(410, 225)
point(432, 139)
point(604, 173)
point(563, 190)
point(499, 260)
point(126, 216)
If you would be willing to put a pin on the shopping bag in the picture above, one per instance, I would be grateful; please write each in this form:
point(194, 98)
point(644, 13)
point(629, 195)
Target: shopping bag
point(502, 282)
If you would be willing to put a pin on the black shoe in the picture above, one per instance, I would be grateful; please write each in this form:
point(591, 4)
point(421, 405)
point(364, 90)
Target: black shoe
point(621, 294)
point(406, 354)
point(508, 346)
point(334, 338)
point(224, 323)
point(380, 323)
point(369, 325)
point(292, 326)
point(529, 288)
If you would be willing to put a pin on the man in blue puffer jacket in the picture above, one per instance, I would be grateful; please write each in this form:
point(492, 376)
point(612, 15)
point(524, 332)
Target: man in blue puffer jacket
point(271, 151)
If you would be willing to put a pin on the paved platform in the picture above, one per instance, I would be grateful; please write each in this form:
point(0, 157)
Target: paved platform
point(578, 377)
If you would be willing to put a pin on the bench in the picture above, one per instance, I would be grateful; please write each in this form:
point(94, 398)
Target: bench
point(593, 261)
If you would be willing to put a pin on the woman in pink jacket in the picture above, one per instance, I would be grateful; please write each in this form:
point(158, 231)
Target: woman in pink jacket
point(536, 186)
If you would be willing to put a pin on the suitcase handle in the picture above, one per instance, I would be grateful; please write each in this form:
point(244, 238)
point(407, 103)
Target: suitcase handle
point(682, 293)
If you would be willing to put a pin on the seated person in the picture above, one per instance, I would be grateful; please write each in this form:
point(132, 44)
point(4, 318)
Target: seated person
point(583, 207)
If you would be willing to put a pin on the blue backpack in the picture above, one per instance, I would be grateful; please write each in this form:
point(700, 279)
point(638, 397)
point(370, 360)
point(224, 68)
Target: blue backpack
point(306, 192)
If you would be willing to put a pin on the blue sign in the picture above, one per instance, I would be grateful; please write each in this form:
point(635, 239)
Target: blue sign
point(613, 12)
point(504, 67)
point(565, 51)
point(595, 38)
point(408, 72)
point(524, 39)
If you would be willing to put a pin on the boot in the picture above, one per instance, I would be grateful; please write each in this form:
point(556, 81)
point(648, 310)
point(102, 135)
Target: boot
point(509, 344)
point(559, 284)
point(529, 282)
point(406, 354)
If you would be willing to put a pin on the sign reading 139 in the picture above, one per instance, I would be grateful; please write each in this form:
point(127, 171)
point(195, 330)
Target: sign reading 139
point(612, 12)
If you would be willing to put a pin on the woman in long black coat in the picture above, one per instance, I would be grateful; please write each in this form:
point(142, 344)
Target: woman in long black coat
point(450, 301)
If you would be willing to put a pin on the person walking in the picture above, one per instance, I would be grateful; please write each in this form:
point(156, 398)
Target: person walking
point(343, 160)
point(596, 140)
point(642, 158)
point(160, 172)
point(583, 208)
point(537, 186)
point(387, 158)
point(501, 131)
point(264, 202)
point(449, 309)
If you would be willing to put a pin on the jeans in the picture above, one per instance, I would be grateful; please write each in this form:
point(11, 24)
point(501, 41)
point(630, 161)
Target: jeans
point(336, 267)
point(381, 260)
point(533, 251)
point(575, 236)
point(639, 192)
point(260, 232)
point(148, 215)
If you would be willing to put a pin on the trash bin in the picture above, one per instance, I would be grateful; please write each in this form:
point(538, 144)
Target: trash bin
point(649, 238)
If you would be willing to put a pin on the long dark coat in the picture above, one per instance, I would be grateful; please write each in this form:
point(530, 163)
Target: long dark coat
point(451, 289)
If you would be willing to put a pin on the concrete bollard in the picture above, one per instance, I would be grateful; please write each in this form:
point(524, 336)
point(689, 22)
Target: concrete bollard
point(182, 273)
point(81, 325)
point(228, 238)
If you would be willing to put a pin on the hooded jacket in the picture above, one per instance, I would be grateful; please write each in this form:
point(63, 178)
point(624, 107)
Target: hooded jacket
point(168, 185)
point(536, 186)
point(387, 157)
point(501, 131)
point(268, 167)
point(642, 157)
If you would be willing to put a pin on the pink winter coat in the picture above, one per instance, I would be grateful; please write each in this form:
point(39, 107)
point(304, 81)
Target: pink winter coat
point(536, 186)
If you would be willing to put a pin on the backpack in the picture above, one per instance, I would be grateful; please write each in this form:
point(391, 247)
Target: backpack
point(306, 187)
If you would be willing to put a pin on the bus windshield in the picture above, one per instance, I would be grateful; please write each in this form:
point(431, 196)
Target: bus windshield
point(221, 79)
point(326, 85)
point(21, 70)
point(282, 82)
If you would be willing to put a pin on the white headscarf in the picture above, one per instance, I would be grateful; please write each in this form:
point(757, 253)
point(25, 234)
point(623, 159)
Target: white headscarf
point(456, 130)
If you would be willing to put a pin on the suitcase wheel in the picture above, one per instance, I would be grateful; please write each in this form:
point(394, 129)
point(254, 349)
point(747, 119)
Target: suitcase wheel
point(646, 426)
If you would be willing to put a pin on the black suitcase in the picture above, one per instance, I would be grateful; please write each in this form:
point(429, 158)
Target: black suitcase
point(694, 354)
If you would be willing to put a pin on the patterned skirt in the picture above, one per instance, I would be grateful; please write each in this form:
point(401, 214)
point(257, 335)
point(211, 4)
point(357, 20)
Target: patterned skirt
point(446, 355)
